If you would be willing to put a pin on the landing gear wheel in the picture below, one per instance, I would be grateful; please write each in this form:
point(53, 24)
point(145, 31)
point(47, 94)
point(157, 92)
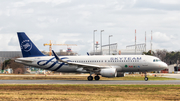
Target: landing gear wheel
point(96, 77)
point(90, 78)
point(146, 78)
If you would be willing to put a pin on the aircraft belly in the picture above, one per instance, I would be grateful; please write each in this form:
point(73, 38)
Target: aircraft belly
point(67, 69)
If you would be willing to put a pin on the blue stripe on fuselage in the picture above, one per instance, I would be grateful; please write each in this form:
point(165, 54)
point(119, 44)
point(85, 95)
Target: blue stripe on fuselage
point(54, 63)
point(46, 62)
point(59, 66)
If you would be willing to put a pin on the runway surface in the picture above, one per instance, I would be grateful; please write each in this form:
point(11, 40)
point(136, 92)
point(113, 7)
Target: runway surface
point(111, 82)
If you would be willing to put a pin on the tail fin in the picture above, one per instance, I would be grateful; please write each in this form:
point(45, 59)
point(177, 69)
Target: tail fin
point(28, 48)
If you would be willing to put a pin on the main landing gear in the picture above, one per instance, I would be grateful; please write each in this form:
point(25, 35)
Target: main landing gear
point(90, 78)
point(146, 78)
point(97, 78)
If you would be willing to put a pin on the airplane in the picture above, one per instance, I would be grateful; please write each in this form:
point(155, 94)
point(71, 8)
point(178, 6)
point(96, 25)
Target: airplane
point(104, 65)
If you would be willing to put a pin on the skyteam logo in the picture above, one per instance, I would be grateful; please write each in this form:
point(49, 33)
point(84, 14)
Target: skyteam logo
point(26, 45)
point(52, 63)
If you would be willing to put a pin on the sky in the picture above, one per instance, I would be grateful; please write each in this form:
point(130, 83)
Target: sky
point(73, 22)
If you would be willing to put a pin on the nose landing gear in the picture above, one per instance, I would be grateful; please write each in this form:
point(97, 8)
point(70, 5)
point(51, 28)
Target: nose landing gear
point(146, 78)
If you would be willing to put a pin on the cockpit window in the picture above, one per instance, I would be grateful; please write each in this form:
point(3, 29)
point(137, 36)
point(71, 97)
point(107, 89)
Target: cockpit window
point(156, 60)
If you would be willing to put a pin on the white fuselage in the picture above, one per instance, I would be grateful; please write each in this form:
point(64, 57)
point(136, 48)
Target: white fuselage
point(122, 63)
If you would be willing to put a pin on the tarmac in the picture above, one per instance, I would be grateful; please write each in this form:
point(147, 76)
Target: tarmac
point(101, 82)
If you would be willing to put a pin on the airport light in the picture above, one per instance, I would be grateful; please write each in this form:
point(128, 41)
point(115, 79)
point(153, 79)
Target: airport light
point(109, 42)
point(101, 40)
point(94, 41)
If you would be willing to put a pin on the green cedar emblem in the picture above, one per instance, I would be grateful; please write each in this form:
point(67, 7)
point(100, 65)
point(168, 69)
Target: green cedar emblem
point(126, 66)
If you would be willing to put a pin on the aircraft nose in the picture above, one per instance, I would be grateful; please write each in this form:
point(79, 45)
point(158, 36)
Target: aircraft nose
point(165, 66)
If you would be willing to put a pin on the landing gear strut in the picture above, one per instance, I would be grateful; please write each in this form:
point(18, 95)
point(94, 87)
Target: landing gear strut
point(146, 78)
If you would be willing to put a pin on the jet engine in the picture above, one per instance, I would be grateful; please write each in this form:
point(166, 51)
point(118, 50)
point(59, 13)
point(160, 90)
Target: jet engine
point(111, 72)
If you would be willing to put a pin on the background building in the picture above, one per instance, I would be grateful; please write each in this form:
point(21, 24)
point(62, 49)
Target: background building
point(5, 55)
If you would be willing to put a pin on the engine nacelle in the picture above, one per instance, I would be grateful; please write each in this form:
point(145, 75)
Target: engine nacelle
point(120, 74)
point(108, 72)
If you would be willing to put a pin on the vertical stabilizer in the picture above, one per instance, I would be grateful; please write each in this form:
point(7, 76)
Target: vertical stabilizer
point(28, 48)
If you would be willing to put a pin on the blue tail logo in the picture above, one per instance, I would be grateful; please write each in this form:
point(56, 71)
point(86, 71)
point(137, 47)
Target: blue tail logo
point(28, 48)
point(26, 45)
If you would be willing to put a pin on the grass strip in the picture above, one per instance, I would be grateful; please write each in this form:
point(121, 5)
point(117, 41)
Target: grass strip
point(89, 92)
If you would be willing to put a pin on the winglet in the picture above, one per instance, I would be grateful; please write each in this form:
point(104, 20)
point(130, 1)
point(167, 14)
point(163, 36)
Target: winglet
point(56, 56)
point(87, 53)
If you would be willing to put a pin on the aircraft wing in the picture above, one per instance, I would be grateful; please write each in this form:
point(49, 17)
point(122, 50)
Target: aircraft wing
point(85, 65)
point(80, 65)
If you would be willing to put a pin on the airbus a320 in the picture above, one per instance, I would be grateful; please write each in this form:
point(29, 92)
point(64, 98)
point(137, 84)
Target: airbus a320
point(106, 66)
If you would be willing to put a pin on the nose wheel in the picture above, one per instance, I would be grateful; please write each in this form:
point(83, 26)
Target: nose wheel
point(146, 78)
